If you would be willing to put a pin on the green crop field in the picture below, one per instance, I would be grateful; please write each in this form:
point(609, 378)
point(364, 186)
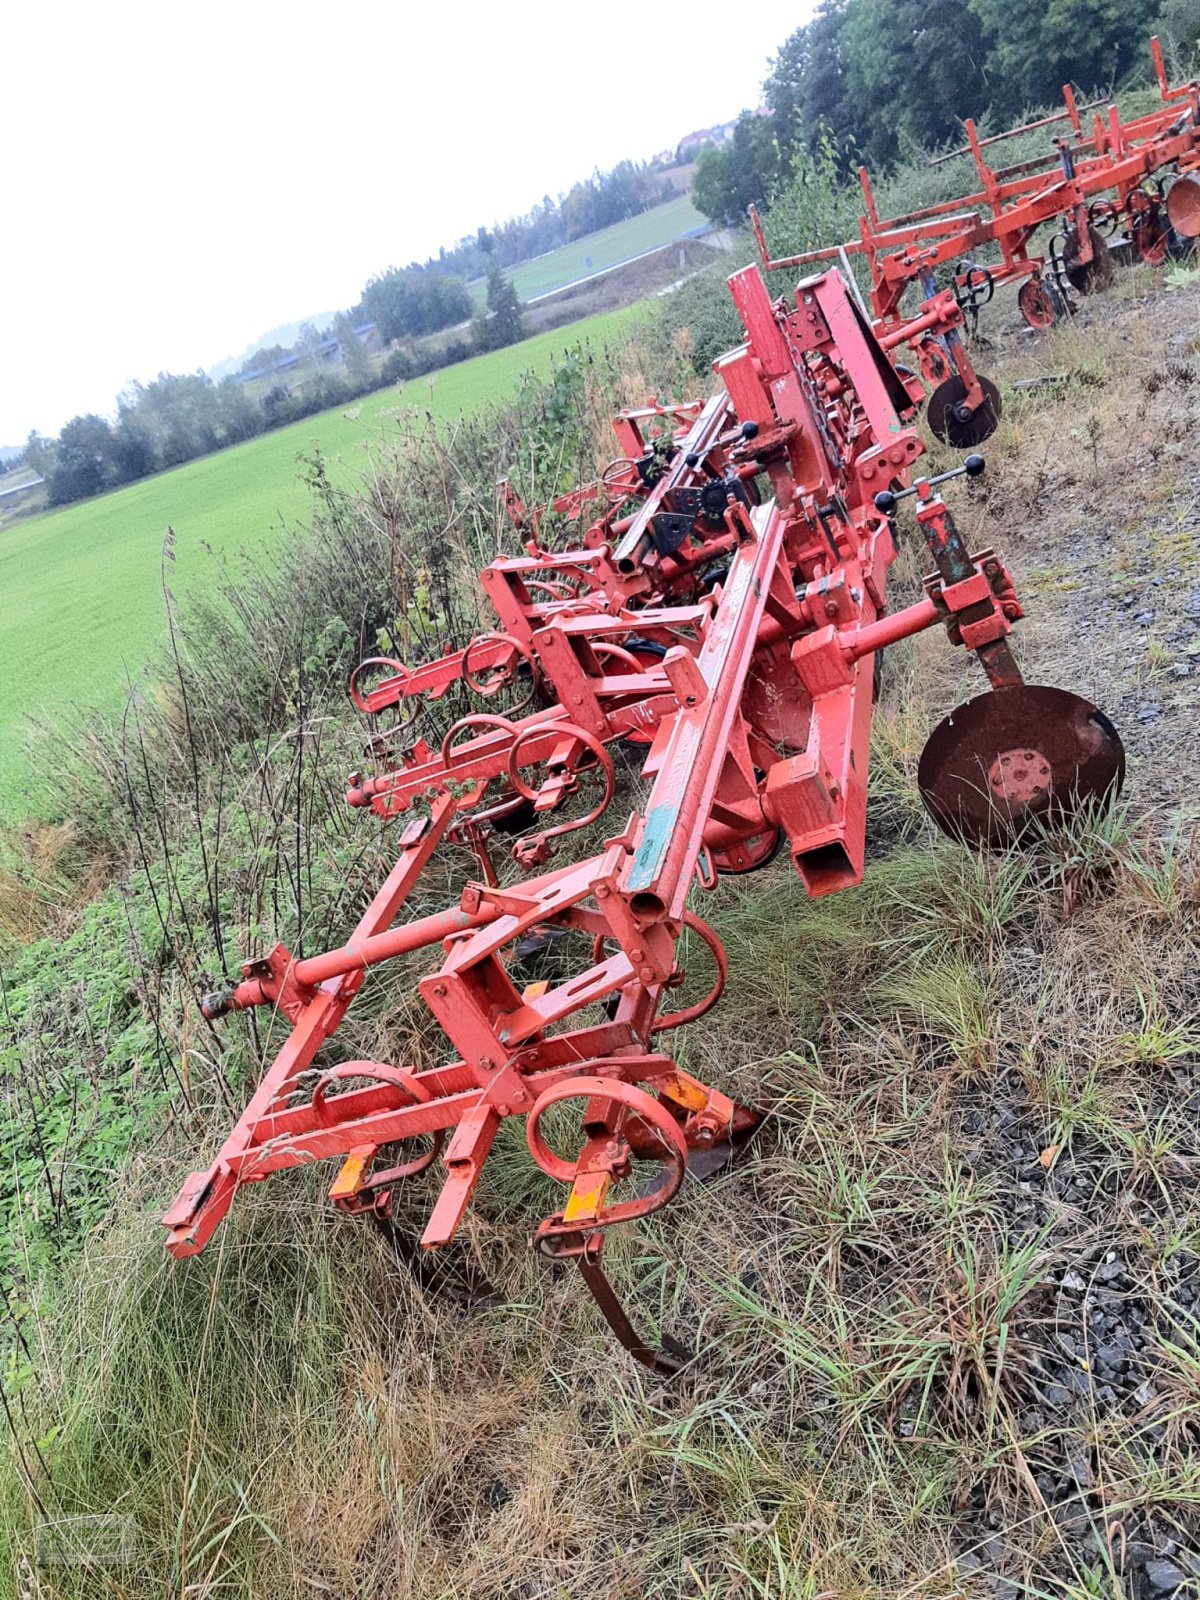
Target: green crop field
point(82, 603)
point(604, 249)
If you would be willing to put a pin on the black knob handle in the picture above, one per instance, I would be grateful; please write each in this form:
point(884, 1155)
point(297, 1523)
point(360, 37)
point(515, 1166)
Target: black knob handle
point(973, 466)
point(885, 502)
point(692, 458)
point(749, 430)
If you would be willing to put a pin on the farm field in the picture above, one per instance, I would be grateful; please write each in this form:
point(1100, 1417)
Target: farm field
point(604, 249)
point(82, 587)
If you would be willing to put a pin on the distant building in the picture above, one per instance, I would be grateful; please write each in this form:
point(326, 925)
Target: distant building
point(720, 133)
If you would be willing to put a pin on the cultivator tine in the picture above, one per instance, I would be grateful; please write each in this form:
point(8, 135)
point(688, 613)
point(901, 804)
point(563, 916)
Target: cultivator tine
point(443, 1274)
point(721, 611)
point(667, 1359)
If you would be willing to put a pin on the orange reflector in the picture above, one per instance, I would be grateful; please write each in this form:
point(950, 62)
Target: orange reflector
point(352, 1173)
point(586, 1199)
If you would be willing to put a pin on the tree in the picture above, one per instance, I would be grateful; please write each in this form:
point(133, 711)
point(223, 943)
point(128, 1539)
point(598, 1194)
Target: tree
point(133, 452)
point(181, 412)
point(742, 173)
point(85, 461)
point(820, 81)
point(39, 453)
point(502, 324)
point(408, 302)
point(354, 356)
point(263, 359)
point(878, 43)
point(1035, 46)
point(1178, 26)
point(309, 340)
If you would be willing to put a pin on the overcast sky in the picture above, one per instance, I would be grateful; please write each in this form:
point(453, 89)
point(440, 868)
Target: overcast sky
point(179, 178)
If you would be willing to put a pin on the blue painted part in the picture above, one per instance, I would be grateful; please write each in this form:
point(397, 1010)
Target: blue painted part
point(648, 860)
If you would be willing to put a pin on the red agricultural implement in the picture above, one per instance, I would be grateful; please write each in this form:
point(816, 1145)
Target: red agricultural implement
point(1142, 176)
point(723, 609)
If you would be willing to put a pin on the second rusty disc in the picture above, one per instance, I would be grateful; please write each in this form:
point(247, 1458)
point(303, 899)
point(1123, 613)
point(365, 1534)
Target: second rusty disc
point(1017, 756)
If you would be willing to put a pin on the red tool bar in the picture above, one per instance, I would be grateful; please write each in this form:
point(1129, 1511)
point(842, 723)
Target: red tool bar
point(357, 955)
point(661, 870)
point(1071, 114)
point(890, 630)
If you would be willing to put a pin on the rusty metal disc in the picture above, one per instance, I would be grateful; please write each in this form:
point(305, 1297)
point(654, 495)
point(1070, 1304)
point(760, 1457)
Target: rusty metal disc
point(1015, 756)
point(1183, 206)
point(1151, 237)
point(952, 424)
point(1088, 277)
point(1035, 304)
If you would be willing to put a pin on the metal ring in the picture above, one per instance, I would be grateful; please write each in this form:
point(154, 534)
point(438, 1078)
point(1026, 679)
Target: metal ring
point(626, 657)
point(630, 1098)
point(556, 589)
point(677, 1019)
point(617, 492)
point(581, 736)
point(399, 670)
point(473, 719)
point(485, 690)
point(399, 1078)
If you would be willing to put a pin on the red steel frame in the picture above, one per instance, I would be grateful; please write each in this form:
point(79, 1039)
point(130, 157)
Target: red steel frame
point(751, 691)
point(1118, 159)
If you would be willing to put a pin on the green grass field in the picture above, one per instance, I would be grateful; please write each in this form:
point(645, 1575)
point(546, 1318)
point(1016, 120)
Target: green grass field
point(82, 597)
point(604, 249)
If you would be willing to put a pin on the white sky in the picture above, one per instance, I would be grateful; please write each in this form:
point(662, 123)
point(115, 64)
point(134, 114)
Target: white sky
point(179, 178)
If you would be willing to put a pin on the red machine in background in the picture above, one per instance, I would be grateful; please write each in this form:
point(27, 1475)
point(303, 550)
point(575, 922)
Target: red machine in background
point(723, 610)
point(1140, 175)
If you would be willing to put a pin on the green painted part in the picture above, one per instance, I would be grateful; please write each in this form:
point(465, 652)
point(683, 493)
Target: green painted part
point(647, 862)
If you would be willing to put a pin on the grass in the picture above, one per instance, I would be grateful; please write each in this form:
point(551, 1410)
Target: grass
point(607, 248)
point(874, 1302)
point(83, 606)
point(979, 1168)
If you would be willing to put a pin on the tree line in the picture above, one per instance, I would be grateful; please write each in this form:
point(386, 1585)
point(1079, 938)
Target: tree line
point(428, 296)
point(879, 80)
point(180, 416)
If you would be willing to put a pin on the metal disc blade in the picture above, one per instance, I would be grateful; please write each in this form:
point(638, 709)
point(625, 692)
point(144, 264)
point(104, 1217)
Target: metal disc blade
point(1150, 239)
point(1088, 276)
point(947, 421)
point(1015, 756)
point(1035, 305)
point(1183, 206)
